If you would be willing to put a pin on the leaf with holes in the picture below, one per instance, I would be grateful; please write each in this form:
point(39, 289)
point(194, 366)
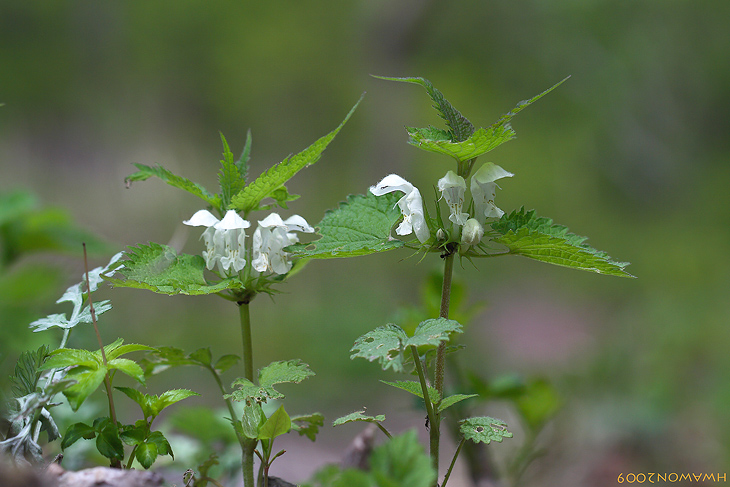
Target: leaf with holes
point(433, 331)
point(274, 373)
point(384, 344)
point(484, 429)
point(307, 425)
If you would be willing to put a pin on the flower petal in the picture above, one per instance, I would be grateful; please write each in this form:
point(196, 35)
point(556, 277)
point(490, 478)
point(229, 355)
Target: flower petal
point(202, 218)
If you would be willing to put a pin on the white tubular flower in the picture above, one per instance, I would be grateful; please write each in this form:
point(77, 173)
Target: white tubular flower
point(452, 188)
point(224, 239)
point(483, 190)
point(411, 205)
point(270, 238)
point(471, 234)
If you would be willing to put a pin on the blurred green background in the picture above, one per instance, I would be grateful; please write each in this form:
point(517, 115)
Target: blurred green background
point(631, 151)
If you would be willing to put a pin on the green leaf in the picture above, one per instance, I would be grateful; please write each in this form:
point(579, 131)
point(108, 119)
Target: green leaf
point(107, 440)
point(539, 402)
point(27, 371)
point(484, 429)
point(415, 388)
point(146, 172)
point(160, 269)
point(360, 226)
point(168, 398)
point(87, 381)
point(245, 157)
point(384, 344)
point(402, 462)
point(129, 367)
point(277, 424)
point(274, 373)
point(225, 362)
point(433, 332)
point(274, 178)
point(358, 416)
point(231, 180)
point(252, 420)
point(307, 425)
point(163, 446)
point(135, 435)
point(479, 143)
point(453, 399)
point(538, 238)
point(146, 454)
point(284, 371)
point(76, 432)
point(461, 128)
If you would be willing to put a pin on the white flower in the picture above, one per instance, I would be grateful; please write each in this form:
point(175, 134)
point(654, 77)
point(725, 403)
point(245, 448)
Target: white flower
point(411, 205)
point(270, 238)
point(224, 239)
point(452, 188)
point(483, 190)
point(471, 234)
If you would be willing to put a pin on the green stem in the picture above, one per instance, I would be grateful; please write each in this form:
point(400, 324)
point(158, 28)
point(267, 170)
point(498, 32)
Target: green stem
point(248, 445)
point(435, 431)
point(384, 430)
point(453, 462)
point(424, 385)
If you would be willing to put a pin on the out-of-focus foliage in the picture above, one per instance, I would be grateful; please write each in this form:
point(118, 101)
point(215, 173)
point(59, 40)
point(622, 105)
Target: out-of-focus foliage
point(632, 150)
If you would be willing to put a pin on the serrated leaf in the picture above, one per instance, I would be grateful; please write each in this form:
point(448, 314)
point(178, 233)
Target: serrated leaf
point(415, 388)
point(538, 238)
point(358, 416)
point(284, 371)
point(461, 128)
point(307, 425)
point(129, 367)
point(277, 424)
point(384, 344)
point(484, 429)
point(449, 401)
point(163, 446)
point(146, 172)
point(27, 371)
point(159, 268)
point(360, 226)
point(231, 180)
point(168, 398)
point(479, 143)
point(433, 332)
point(276, 177)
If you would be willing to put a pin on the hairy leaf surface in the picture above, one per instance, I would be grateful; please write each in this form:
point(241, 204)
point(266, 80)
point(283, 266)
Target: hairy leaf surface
point(484, 429)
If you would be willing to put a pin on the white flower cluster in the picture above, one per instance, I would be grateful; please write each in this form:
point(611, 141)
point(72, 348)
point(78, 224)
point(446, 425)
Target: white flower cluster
point(453, 188)
point(225, 241)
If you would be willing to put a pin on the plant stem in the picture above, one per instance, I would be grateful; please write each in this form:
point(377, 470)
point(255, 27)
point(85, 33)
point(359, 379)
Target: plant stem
point(107, 381)
point(435, 431)
point(453, 462)
point(424, 385)
point(248, 445)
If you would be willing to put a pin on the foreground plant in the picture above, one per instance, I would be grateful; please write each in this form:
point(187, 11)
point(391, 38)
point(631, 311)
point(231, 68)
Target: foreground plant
point(474, 228)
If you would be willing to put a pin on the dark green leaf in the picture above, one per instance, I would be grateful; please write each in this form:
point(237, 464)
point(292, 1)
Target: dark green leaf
point(163, 446)
point(107, 440)
point(146, 172)
point(274, 178)
point(453, 399)
point(538, 238)
point(75, 432)
point(146, 454)
point(415, 388)
point(361, 226)
point(159, 268)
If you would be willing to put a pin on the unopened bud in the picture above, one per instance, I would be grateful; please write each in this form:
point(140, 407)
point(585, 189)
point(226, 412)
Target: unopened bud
point(440, 235)
point(471, 233)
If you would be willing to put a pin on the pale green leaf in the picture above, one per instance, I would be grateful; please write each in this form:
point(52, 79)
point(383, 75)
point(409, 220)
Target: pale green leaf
point(415, 388)
point(146, 172)
point(433, 332)
point(479, 143)
point(484, 429)
point(358, 416)
point(159, 268)
point(284, 371)
point(453, 399)
point(307, 425)
point(276, 177)
point(360, 226)
point(538, 238)
point(277, 424)
point(384, 344)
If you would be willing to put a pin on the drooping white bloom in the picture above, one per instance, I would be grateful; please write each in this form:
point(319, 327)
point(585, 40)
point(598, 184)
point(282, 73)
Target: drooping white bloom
point(484, 188)
point(411, 205)
point(471, 234)
point(452, 188)
point(270, 238)
point(224, 239)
